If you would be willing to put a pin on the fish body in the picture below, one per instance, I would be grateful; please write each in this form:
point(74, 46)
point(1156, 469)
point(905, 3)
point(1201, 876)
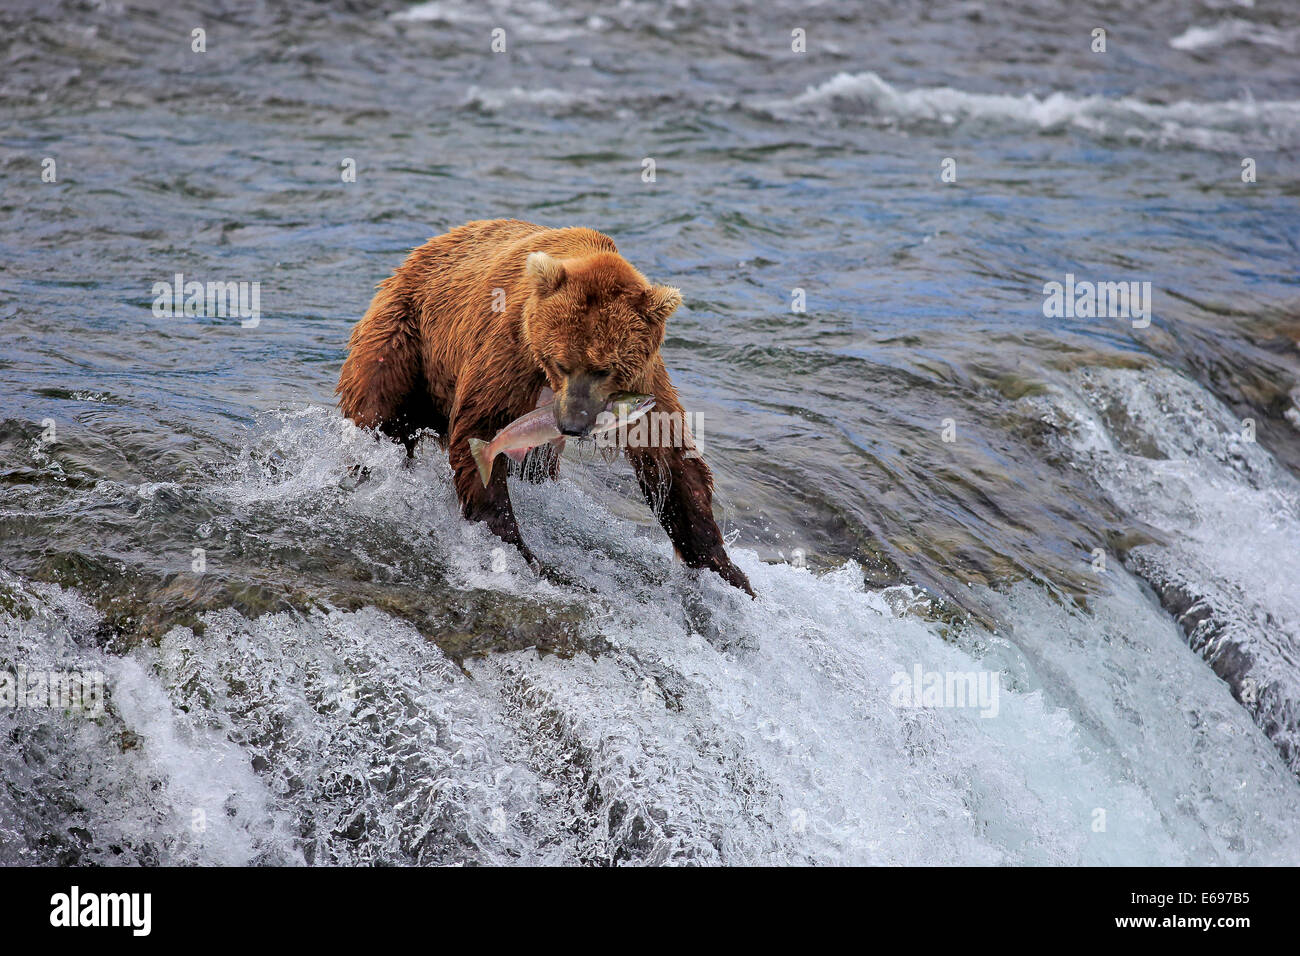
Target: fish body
point(527, 431)
point(538, 427)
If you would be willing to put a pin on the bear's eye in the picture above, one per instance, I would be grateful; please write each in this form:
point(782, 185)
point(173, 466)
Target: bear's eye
point(563, 370)
point(601, 373)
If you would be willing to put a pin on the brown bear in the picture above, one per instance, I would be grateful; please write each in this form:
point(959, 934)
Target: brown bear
point(464, 336)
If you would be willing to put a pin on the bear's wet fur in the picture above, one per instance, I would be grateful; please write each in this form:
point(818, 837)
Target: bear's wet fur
point(462, 338)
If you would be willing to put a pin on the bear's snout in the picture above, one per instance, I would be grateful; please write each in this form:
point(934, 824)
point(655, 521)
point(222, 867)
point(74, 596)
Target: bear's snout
point(578, 405)
point(576, 425)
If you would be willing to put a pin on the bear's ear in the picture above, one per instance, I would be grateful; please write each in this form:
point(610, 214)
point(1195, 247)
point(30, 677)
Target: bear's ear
point(660, 301)
point(544, 270)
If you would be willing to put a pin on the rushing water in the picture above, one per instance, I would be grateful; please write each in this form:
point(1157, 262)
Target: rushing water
point(920, 470)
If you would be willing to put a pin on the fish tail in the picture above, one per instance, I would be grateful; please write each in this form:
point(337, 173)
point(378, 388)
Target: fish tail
point(478, 448)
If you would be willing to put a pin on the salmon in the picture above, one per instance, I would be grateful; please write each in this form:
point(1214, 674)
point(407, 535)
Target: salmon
point(538, 427)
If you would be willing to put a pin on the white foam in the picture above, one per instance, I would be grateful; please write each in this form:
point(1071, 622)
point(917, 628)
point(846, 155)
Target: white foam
point(493, 101)
point(532, 20)
point(1173, 457)
point(142, 783)
point(1206, 124)
point(714, 728)
point(437, 10)
point(1235, 31)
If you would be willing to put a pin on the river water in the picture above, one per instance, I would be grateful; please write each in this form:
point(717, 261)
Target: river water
point(920, 471)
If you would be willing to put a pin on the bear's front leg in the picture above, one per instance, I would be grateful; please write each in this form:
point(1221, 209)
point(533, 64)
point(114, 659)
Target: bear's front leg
point(491, 505)
point(680, 489)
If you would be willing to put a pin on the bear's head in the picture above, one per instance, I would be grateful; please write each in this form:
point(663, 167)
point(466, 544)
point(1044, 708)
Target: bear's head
point(594, 325)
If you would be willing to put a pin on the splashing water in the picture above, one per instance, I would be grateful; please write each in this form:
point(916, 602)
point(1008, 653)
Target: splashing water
point(707, 729)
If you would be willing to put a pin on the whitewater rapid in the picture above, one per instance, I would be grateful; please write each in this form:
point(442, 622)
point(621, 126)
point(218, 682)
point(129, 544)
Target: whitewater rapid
point(706, 729)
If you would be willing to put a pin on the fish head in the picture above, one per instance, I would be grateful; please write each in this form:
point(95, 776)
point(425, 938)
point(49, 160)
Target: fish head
point(623, 408)
point(630, 405)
